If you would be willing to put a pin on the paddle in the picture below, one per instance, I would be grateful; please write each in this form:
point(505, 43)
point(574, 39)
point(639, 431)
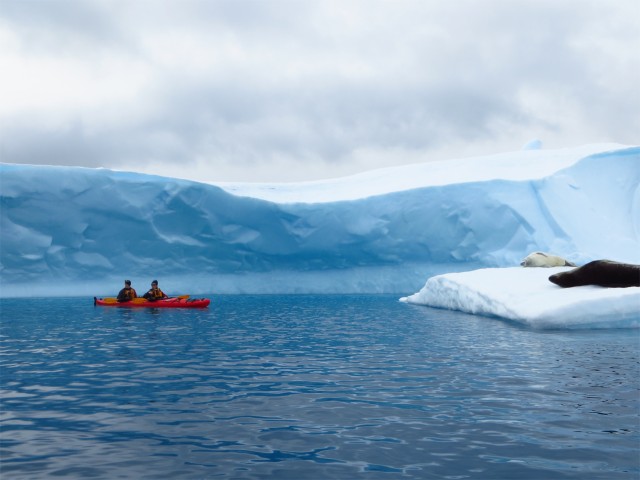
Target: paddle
point(138, 299)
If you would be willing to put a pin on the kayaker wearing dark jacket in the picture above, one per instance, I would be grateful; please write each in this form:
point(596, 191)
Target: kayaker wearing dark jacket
point(155, 293)
point(127, 293)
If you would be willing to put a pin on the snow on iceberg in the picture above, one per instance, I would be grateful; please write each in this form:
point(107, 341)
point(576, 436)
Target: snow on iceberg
point(76, 231)
point(512, 167)
point(526, 296)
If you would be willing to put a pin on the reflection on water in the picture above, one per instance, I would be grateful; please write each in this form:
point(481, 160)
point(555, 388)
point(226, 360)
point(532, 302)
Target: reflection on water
point(310, 387)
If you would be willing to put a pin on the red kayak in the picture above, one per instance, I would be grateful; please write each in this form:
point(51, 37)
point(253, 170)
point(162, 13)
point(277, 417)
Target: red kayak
point(164, 303)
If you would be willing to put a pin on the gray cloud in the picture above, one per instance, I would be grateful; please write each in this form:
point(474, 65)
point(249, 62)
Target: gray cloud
point(244, 84)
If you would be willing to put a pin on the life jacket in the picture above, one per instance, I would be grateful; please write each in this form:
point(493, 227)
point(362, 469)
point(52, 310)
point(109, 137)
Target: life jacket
point(157, 293)
point(126, 294)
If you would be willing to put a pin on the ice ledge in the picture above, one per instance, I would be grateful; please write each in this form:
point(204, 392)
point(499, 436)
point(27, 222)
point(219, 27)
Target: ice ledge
point(526, 296)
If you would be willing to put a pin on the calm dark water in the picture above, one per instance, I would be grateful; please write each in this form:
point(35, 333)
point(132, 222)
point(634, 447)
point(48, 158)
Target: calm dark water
point(310, 387)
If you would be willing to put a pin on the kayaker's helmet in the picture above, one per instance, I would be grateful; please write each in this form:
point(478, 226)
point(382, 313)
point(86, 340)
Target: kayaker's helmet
point(155, 282)
point(127, 282)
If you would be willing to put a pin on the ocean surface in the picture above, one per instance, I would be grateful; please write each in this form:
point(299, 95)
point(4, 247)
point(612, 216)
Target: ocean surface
point(310, 387)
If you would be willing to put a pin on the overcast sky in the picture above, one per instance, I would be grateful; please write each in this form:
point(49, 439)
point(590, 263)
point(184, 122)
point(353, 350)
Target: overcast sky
point(278, 90)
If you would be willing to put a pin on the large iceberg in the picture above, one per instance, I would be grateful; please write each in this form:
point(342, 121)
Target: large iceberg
point(79, 231)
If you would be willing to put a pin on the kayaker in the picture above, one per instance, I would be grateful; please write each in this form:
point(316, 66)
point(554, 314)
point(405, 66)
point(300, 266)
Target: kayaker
point(127, 293)
point(154, 293)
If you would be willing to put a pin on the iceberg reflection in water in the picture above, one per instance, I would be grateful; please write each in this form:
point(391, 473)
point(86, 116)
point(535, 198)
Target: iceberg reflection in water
point(311, 387)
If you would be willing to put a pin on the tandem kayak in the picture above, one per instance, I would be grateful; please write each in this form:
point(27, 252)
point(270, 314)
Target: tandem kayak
point(176, 302)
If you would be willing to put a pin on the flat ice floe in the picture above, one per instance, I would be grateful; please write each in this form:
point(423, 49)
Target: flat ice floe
point(526, 296)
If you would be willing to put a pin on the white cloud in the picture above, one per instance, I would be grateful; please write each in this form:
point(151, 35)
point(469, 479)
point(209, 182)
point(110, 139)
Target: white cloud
point(287, 90)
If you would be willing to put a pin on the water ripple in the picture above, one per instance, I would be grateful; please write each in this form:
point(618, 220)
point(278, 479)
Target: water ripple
point(311, 387)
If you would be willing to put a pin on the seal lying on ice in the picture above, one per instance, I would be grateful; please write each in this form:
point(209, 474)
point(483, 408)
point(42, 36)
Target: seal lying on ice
point(604, 273)
point(541, 259)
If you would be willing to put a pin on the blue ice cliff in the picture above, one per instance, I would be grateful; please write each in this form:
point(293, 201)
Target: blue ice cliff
point(67, 230)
